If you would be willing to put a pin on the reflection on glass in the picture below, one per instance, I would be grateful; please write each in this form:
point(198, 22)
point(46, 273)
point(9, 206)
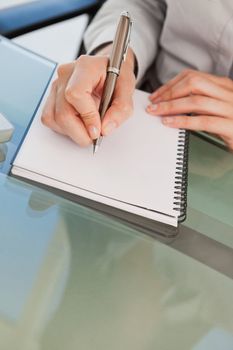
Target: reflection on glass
point(72, 278)
point(34, 265)
point(210, 199)
point(3, 152)
point(22, 86)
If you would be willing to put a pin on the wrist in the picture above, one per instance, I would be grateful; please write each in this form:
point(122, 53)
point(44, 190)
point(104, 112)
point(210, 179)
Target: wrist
point(131, 61)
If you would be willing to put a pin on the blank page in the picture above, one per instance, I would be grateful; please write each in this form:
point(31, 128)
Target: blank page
point(135, 165)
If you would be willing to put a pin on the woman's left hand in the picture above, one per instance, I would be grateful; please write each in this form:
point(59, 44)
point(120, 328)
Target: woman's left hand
point(208, 98)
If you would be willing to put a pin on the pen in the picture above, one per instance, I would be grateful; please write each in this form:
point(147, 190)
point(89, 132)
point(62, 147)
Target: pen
point(118, 54)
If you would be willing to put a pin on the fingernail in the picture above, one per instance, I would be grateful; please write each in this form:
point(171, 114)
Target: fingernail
point(110, 127)
point(93, 132)
point(157, 100)
point(153, 107)
point(167, 120)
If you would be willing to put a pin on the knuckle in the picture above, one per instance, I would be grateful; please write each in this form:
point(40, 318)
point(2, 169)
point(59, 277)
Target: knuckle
point(98, 64)
point(191, 79)
point(69, 93)
point(54, 84)
point(196, 100)
point(194, 81)
point(72, 94)
point(61, 70)
point(88, 116)
point(46, 119)
point(61, 119)
point(88, 61)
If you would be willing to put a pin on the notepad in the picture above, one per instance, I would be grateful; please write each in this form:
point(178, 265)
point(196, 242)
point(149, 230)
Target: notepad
point(139, 169)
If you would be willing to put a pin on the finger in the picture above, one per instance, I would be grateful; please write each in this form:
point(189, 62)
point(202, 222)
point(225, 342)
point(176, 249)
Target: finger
point(162, 89)
point(68, 120)
point(79, 93)
point(224, 82)
point(121, 109)
point(192, 104)
point(122, 105)
point(190, 75)
point(197, 85)
point(48, 112)
point(211, 124)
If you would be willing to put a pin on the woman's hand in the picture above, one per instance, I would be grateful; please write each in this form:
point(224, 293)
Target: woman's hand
point(196, 101)
point(73, 103)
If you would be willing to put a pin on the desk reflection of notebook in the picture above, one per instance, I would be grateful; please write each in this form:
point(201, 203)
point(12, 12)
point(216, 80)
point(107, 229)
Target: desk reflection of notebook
point(138, 174)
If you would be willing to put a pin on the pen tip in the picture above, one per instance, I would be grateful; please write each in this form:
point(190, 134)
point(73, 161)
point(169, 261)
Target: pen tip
point(95, 149)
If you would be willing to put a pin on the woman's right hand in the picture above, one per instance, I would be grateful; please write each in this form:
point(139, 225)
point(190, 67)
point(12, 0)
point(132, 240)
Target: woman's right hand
point(72, 106)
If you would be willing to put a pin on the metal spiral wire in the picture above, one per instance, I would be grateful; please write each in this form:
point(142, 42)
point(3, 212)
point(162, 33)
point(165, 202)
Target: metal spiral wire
point(181, 178)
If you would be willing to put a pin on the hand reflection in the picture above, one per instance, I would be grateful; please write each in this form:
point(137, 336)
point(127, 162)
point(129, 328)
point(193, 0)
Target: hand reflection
point(39, 202)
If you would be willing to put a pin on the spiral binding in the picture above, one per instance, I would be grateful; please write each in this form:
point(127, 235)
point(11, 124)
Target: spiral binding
point(181, 178)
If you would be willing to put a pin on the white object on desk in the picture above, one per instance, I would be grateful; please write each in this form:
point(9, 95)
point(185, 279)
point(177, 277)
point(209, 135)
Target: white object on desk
point(59, 42)
point(6, 129)
point(9, 3)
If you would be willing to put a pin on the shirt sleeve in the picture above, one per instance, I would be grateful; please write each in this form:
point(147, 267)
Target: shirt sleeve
point(147, 16)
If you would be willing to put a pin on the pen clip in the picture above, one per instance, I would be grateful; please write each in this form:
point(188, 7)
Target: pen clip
point(127, 40)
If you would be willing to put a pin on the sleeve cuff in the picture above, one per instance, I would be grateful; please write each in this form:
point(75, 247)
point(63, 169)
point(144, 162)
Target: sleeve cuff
point(107, 36)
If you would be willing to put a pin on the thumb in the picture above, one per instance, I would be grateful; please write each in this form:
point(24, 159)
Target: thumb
point(122, 104)
point(119, 111)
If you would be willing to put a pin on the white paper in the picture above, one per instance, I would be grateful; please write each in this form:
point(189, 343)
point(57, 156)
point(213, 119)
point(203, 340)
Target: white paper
point(134, 167)
point(60, 42)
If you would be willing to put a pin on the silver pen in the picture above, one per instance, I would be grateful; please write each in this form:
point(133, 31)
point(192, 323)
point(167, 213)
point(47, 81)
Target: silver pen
point(118, 55)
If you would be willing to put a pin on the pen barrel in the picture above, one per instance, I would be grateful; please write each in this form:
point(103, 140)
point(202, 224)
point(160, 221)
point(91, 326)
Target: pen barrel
point(120, 42)
point(108, 91)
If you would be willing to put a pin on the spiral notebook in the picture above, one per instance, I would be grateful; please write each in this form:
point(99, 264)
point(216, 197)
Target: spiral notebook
point(140, 170)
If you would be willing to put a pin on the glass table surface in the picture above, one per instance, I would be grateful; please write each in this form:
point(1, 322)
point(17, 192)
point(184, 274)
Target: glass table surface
point(73, 278)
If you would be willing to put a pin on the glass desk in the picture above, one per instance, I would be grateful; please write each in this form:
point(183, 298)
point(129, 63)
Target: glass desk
point(72, 278)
